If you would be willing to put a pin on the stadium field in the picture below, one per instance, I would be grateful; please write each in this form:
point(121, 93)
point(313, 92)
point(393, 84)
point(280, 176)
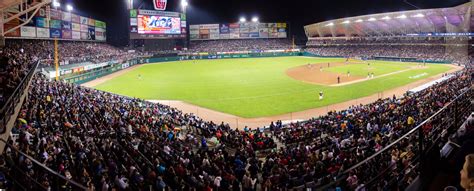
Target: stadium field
point(258, 87)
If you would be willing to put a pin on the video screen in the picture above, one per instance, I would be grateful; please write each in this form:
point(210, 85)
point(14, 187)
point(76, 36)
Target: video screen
point(148, 24)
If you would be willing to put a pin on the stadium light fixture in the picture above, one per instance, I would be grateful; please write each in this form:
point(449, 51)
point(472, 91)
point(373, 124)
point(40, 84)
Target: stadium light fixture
point(255, 19)
point(56, 4)
point(330, 24)
point(419, 15)
point(402, 17)
point(359, 21)
point(386, 18)
point(346, 22)
point(372, 19)
point(242, 20)
point(184, 3)
point(69, 8)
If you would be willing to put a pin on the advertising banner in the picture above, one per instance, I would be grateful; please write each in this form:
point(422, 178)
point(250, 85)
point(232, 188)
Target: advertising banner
point(244, 35)
point(234, 25)
point(263, 32)
point(76, 35)
point(214, 31)
point(91, 33)
point(281, 30)
point(158, 25)
point(100, 35)
point(14, 33)
point(42, 32)
point(67, 34)
point(193, 31)
point(55, 24)
point(203, 31)
point(254, 35)
point(84, 20)
point(28, 31)
point(224, 36)
point(55, 33)
point(84, 35)
point(214, 36)
point(76, 26)
point(133, 13)
point(133, 21)
point(159, 4)
point(253, 28)
point(42, 22)
point(66, 16)
point(234, 35)
point(193, 26)
point(91, 22)
point(100, 24)
point(84, 28)
point(204, 36)
point(194, 36)
point(66, 25)
point(55, 14)
point(75, 18)
point(224, 29)
point(281, 34)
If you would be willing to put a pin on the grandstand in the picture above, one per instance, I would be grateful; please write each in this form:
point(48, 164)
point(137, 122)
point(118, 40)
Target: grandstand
point(58, 134)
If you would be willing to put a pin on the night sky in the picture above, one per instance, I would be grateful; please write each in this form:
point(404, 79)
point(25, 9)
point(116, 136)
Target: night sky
point(295, 12)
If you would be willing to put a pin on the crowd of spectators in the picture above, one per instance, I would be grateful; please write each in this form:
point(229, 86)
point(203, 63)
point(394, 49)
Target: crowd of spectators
point(16, 59)
point(239, 45)
point(108, 141)
point(430, 49)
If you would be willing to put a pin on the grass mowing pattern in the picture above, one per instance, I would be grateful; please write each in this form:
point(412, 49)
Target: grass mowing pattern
point(254, 87)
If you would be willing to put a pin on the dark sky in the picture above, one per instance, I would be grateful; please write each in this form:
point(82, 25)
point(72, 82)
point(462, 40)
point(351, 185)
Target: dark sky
point(296, 12)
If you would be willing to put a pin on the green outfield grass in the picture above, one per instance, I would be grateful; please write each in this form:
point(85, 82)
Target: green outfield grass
point(256, 87)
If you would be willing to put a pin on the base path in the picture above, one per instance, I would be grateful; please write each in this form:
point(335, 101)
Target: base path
point(240, 122)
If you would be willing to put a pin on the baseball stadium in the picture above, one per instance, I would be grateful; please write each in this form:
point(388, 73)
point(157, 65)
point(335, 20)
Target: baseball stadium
point(180, 95)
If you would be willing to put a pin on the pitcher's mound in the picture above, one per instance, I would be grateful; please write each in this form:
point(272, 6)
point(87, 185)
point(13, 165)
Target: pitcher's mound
point(312, 74)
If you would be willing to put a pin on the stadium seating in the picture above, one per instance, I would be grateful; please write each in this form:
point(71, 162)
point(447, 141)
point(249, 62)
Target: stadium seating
point(105, 140)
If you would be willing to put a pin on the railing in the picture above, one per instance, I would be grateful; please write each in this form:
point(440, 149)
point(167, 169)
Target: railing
point(381, 171)
point(30, 174)
point(9, 108)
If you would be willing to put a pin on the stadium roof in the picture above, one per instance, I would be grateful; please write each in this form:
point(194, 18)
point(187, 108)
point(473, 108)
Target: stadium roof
point(442, 20)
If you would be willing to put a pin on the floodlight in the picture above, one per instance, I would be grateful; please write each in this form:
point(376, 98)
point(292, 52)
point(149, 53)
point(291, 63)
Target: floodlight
point(69, 8)
point(255, 19)
point(402, 17)
point(386, 18)
point(56, 4)
point(346, 22)
point(242, 20)
point(330, 24)
point(184, 3)
point(359, 21)
point(372, 19)
point(419, 15)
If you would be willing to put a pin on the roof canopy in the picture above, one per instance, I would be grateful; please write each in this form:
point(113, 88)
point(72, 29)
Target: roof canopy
point(453, 19)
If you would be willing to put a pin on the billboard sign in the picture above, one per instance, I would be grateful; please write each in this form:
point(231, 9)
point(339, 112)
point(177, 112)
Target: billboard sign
point(159, 4)
point(42, 22)
point(28, 31)
point(55, 24)
point(67, 34)
point(55, 33)
point(158, 25)
point(42, 32)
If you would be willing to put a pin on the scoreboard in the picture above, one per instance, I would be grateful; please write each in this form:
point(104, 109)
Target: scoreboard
point(151, 24)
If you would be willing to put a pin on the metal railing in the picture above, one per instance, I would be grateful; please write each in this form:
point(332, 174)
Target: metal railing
point(30, 174)
point(381, 171)
point(8, 108)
